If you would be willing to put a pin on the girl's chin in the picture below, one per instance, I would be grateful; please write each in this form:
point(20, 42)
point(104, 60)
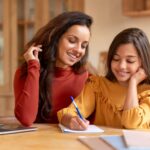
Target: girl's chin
point(123, 82)
point(123, 79)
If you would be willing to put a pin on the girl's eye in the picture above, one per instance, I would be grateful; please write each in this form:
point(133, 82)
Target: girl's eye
point(130, 61)
point(115, 59)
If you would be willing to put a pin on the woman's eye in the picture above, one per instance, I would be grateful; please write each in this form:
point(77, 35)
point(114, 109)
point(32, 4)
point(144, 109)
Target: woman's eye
point(84, 46)
point(72, 40)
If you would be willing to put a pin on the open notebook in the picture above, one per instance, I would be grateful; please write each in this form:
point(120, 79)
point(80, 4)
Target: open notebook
point(91, 129)
point(14, 128)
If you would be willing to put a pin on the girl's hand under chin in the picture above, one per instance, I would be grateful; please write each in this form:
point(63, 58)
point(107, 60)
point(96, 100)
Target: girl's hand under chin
point(139, 76)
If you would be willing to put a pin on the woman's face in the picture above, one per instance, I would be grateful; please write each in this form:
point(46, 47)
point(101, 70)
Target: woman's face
point(72, 46)
point(125, 63)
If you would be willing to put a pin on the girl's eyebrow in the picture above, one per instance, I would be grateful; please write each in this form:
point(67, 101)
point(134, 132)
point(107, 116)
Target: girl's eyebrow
point(130, 56)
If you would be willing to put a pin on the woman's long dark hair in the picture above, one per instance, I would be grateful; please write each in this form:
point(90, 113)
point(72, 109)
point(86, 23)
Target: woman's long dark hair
point(48, 36)
point(139, 39)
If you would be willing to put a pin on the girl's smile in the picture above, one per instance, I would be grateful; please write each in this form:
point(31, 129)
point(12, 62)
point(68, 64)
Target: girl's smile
point(125, 63)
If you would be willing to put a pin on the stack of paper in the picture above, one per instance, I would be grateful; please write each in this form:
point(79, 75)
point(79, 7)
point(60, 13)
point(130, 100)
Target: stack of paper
point(137, 138)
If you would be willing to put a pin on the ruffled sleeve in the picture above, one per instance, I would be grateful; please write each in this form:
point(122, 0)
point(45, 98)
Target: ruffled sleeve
point(138, 117)
point(85, 101)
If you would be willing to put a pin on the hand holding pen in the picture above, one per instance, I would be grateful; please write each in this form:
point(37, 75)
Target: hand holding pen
point(78, 123)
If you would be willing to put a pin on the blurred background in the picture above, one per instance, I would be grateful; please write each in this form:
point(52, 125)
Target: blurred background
point(20, 19)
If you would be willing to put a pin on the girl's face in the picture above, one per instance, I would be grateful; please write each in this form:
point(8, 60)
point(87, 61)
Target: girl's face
point(125, 63)
point(72, 46)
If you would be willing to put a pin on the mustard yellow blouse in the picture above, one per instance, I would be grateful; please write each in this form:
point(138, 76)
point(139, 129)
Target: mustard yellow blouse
point(107, 98)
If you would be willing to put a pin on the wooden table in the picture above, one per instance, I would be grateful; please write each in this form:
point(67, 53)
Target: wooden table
point(47, 137)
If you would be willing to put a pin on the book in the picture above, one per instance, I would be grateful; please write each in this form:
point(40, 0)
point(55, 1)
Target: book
point(91, 129)
point(14, 128)
point(137, 138)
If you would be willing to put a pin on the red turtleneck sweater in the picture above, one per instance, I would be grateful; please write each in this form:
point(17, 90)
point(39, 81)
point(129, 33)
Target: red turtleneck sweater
point(65, 83)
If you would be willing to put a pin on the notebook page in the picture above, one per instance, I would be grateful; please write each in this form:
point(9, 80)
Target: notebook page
point(91, 129)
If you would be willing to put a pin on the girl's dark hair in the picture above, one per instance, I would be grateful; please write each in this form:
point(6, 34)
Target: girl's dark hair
point(48, 36)
point(139, 39)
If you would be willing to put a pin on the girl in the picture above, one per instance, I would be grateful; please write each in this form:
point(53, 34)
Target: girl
point(121, 98)
point(54, 68)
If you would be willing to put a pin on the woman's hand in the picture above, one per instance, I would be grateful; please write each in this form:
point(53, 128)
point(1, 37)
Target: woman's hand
point(139, 76)
point(74, 123)
point(32, 53)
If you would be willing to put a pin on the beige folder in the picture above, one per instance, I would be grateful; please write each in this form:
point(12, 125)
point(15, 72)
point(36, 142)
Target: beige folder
point(95, 143)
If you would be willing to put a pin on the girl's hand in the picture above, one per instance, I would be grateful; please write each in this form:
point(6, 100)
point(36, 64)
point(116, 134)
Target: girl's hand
point(32, 53)
point(78, 124)
point(139, 76)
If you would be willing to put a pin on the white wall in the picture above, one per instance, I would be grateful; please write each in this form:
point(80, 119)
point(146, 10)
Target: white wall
point(108, 21)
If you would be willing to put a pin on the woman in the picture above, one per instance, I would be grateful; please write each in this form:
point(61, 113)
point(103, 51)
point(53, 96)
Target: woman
point(54, 68)
point(122, 97)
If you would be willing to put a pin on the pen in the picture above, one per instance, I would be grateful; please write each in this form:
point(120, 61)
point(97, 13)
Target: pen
point(77, 109)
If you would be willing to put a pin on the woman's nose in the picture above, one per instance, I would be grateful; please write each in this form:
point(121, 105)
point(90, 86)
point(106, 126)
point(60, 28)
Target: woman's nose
point(78, 48)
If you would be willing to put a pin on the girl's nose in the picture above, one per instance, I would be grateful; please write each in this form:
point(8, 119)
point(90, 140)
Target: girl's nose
point(122, 65)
